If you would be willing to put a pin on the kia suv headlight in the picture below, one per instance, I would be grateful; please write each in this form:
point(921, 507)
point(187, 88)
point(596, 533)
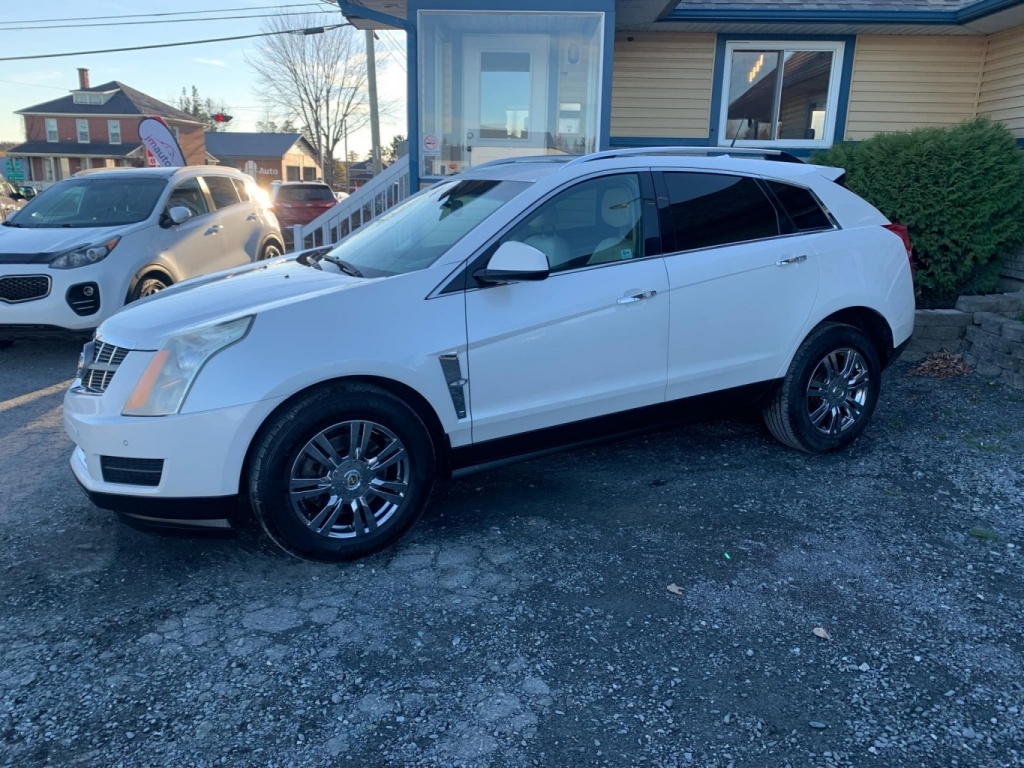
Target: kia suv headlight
point(84, 256)
point(165, 383)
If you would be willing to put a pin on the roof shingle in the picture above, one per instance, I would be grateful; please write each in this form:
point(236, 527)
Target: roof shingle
point(127, 101)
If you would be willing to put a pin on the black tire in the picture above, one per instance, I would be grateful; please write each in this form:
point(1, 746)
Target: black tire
point(799, 418)
point(270, 251)
point(280, 456)
point(147, 286)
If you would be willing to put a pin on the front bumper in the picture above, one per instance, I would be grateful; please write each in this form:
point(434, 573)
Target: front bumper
point(52, 312)
point(202, 453)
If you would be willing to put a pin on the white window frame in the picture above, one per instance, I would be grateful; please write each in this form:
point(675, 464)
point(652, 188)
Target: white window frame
point(51, 129)
point(838, 49)
point(79, 125)
point(49, 170)
point(113, 129)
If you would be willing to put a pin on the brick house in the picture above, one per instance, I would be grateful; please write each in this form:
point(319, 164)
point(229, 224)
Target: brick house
point(97, 127)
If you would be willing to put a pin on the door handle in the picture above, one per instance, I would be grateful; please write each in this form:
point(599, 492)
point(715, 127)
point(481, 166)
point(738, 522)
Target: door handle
point(213, 229)
point(251, 217)
point(791, 260)
point(636, 297)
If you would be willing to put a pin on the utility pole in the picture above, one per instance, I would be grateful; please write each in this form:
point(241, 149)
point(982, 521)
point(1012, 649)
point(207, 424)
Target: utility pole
point(371, 71)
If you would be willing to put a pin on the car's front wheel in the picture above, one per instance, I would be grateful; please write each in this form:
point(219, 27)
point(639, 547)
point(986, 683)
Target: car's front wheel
point(270, 251)
point(341, 473)
point(147, 286)
point(830, 391)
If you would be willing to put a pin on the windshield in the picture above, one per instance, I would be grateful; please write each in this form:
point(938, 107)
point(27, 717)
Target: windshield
point(310, 193)
point(93, 202)
point(415, 234)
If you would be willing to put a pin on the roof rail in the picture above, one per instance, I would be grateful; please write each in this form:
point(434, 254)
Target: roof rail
point(765, 154)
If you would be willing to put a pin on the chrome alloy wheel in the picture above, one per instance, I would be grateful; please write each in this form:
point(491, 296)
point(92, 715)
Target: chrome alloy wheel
point(838, 391)
point(349, 479)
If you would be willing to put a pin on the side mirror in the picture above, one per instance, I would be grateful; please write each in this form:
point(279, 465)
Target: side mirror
point(179, 214)
point(514, 262)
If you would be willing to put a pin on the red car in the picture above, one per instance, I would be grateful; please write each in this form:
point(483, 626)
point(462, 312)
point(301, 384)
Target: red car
point(299, 202)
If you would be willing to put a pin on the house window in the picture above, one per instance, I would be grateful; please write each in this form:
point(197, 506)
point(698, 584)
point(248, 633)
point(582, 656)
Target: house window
point(51, 130)
point(114, 131)
point(87, 98)
point(48, 172)
point(309, 174)
point(83, 131)
point(780, 92)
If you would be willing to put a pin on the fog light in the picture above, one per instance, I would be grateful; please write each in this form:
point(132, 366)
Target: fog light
point(88, 290)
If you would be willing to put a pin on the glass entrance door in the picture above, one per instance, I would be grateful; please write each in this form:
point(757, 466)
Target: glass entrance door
point(505, 96)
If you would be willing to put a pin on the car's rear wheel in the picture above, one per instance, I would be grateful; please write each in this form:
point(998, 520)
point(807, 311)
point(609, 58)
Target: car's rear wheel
point(830, 391)
point(147, 286)
point(342, 473)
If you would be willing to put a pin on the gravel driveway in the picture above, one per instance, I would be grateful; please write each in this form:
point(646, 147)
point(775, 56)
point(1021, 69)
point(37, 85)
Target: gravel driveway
point(527, 619)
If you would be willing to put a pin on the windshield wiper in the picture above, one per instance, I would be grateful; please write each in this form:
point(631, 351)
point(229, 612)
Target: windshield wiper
point(12, 224)
point(341, 264)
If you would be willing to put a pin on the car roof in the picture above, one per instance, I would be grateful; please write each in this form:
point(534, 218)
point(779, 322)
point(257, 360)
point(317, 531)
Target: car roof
point(161, 173)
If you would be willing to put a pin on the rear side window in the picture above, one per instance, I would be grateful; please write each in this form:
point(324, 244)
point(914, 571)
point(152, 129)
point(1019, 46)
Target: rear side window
point(240, 188)
point(801, 206)
point(707, 209)
point(304, 193)
point(222, 191)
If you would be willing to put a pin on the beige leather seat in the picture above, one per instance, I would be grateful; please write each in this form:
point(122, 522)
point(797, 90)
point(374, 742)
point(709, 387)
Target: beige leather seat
point(620, 210)
point(545, 240)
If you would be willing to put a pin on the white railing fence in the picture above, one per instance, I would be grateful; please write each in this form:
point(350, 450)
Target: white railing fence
point(378, 195)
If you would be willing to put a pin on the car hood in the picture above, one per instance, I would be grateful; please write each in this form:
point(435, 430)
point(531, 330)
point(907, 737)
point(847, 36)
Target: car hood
point(217, 298)
point(37, 245)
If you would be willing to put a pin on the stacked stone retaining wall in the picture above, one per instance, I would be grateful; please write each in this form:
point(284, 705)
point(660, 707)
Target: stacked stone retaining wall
point(988, 330)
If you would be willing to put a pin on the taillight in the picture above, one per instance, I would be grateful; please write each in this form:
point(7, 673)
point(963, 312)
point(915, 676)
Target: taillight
point(904, 234)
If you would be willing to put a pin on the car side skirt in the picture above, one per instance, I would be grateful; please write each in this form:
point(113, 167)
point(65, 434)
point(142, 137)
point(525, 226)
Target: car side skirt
point(480, 457)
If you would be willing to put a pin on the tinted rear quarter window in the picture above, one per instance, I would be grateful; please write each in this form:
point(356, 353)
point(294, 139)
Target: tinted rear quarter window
point(707, 209)
point(802, 206)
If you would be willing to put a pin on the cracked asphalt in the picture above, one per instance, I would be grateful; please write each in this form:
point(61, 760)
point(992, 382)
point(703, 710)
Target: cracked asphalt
point(527, 619)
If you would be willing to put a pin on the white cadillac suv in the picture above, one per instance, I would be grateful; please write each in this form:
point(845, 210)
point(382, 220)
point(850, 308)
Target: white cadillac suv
point(520, 306)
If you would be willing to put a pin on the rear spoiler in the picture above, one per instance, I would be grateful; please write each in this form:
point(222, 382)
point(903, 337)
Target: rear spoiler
point(838, 175)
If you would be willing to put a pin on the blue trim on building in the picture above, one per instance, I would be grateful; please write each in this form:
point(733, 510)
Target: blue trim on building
point(607, 73)
point(621, 142)
point(842, 99)
point(966, 15)
point(411, 81)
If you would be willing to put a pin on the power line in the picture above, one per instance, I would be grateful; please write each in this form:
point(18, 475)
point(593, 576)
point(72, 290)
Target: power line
point(163, 21)
point(34, 85)
point(308, 31)
point(168, 13)
point(386, 47)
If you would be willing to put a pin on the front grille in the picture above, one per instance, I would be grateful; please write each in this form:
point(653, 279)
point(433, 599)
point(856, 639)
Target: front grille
point(15, 289)
point(131, 471)
point(106, 358)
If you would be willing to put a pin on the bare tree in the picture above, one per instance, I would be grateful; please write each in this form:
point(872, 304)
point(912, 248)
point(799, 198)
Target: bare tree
point(317, 80)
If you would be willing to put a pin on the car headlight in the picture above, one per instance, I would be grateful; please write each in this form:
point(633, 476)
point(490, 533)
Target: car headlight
point(167, 379)
point(83, 257)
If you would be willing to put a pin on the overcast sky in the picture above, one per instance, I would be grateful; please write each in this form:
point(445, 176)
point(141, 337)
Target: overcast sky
point(219, 70)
